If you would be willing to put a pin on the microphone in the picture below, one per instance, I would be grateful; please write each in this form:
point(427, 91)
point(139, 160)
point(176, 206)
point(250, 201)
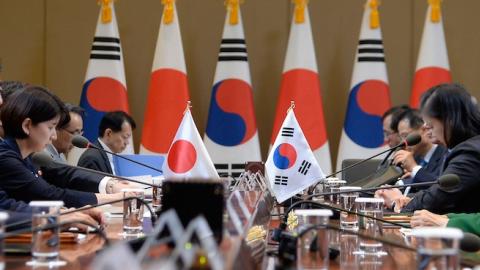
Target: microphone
point(410, 140)
point(153, 216)
point(447, 181)
point(82, 142)
point(470, 242)
point(42, 159)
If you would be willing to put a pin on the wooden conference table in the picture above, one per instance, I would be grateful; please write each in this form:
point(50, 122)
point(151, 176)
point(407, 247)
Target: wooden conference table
point(235, 252)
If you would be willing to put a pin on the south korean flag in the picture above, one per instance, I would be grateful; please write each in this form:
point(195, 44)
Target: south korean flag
point(291, 166)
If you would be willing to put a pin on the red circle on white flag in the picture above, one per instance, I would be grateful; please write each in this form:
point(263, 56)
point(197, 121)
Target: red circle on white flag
point(182, 156)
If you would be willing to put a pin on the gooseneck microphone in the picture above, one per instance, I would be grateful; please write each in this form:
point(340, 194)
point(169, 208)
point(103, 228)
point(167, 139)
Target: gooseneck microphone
point(470, 242)
point(42, 159)
point(82, 142)
point(412, 139)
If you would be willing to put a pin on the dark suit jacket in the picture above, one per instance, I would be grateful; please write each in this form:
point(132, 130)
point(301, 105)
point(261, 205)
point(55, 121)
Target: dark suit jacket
point(95, 159)
point(433, 169)
point(464, 161)
point(20, 181)
point(73, 178)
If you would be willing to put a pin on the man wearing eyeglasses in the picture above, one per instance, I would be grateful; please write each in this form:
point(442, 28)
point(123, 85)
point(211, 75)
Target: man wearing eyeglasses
point(63, 144)
point(390, 122)
point(421, 162)
point(79, 180)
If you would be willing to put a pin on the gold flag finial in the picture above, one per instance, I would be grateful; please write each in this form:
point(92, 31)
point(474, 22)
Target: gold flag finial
point(300, 10)
point(168, 11)
point(189, 106)
point(106, 10)
point(233, 6)
point(374, 15)
point(292, 106)
point(435, 11)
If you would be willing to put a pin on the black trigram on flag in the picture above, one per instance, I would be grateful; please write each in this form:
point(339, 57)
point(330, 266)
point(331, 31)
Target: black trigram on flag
point(370, 50)
point(281, 180)
point(230, 169)
point(303, 169)
point(106, 48)
point(233, 49)
point(287, 132)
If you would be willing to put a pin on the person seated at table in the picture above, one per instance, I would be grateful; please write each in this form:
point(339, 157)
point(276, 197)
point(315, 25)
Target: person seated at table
point(423, 161)
point(389, 124)
point(115, 132)
point(454, 118)
point(78, 179)
point(29, 118)
point(466, 222)
point(62, 145)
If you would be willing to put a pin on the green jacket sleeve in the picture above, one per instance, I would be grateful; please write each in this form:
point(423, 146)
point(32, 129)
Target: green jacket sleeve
point(466, 222)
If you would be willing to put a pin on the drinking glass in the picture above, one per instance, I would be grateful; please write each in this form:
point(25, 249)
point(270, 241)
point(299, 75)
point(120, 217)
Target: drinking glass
point(370, 207)
point(312, 248)
point(133, 211)
point(45, 241)
point(349, 221)
point(438, 247)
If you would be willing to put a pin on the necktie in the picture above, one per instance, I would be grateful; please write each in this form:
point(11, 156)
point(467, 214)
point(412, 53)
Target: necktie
point(423, 163)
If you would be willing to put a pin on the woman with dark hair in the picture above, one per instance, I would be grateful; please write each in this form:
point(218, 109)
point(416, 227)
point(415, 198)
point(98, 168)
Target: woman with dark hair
point(29, 119)
point(454, 119)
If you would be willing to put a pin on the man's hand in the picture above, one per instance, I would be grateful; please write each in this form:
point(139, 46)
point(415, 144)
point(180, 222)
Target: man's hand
point(389, 195)
point(115, 186)
point(92, 216)
point(404, 159)
point(400, 203)
point(424, 218)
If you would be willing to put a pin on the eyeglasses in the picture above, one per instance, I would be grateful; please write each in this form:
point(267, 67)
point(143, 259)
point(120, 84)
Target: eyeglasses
point(427, 125)
point(388, 133)
point(75, 132)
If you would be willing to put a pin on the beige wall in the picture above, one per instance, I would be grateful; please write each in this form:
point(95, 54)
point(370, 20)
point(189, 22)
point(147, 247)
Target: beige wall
point(48, 42)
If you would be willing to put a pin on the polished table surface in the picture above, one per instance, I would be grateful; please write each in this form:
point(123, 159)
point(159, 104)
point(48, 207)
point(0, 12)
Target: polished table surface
point(77, 255)
point(396, 258)
point(81, 255)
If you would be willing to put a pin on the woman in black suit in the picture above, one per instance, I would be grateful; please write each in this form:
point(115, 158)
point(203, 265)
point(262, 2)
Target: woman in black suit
point(454, 119)
point(29, 119)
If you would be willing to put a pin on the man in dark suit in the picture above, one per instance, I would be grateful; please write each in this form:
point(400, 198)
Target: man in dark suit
point(453, 119)
point(62, 145)
point(422, 162)
point(114, 133)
